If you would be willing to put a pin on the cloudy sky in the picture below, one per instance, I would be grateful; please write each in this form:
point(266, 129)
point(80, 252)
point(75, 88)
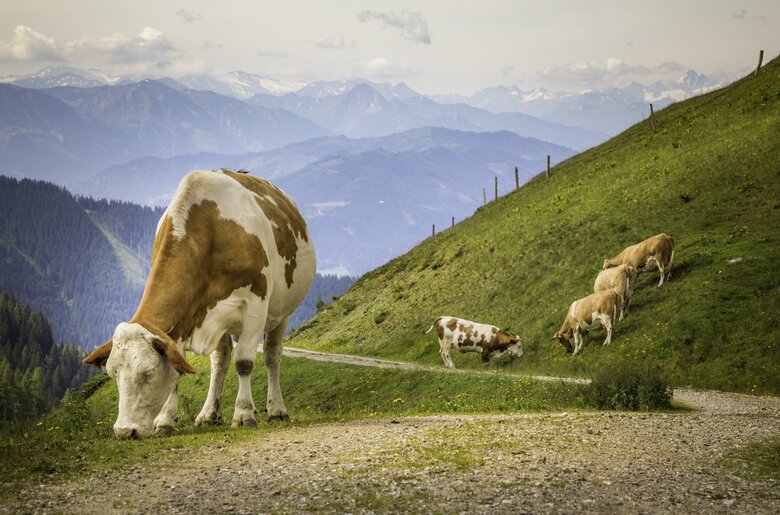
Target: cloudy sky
point(456, 46)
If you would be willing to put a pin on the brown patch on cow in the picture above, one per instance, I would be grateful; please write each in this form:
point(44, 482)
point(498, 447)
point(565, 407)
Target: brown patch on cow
point(286, 221)
point(439, 328)
point(190, 275)
point(494, 330)
point(452, 324)
point(244, 367)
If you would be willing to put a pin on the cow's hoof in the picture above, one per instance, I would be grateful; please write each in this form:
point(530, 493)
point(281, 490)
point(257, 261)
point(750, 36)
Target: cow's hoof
point(282, 417)
point(212, 418)
point(163, 430)
point(244, 422)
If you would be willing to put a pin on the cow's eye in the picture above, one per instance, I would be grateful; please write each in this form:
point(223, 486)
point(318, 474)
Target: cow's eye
point(145, 376)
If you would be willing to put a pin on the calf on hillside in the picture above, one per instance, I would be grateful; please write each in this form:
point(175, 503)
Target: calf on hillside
point(623, 279)
point(232, 256)
point(596, 310)
point(655, 252)
point(468, 336)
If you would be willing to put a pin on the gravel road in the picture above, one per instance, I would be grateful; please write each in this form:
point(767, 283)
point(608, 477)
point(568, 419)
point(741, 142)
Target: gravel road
point(592, 462)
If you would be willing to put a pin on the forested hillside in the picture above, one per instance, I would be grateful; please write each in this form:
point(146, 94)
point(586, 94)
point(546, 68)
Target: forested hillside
point(705, 171)
point(83, 262)
point(35, 370)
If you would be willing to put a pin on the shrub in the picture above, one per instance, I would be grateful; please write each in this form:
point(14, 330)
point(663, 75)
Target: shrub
point(626, 385)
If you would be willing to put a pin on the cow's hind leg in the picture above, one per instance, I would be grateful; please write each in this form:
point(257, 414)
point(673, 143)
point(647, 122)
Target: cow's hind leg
point(220, 362)
point(606, 321)
point(444, 350)
point(272, 353)
point(244, 356)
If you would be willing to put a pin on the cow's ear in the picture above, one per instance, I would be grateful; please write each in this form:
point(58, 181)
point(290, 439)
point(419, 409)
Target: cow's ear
point(99, 356)
point(167, 348)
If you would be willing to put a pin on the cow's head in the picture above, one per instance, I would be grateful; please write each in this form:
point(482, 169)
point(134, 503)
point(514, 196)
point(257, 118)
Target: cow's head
point(564, 337)
point(146, 367)
point(510, 343)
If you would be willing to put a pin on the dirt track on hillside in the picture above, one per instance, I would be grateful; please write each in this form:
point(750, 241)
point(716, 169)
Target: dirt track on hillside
point(599, 462)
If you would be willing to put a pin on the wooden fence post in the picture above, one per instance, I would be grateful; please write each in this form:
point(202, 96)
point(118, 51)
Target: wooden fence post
point(760, 59)
point(433, 230)
point(496, 187)
point(548, 166)
point(484, 197)
point(453, 221)
point(517, 180)
point(652, 115)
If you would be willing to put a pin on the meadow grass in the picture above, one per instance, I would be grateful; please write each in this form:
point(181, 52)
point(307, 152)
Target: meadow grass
point(79, 438)
point(709, 176)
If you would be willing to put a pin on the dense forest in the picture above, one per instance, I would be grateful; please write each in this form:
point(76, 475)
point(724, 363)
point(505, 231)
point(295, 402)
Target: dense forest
point(35, 371)
point(83, 262)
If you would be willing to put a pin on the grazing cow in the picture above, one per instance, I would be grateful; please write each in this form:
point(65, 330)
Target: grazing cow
point(232, 256)
point(473, 337)
point(623, 279)
point(654, 252)
point(596, 310)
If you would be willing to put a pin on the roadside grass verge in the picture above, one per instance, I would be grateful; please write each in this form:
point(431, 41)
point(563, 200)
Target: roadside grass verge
point(79, 439)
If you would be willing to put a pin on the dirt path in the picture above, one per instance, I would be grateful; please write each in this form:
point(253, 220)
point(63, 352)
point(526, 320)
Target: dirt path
point(598, 462)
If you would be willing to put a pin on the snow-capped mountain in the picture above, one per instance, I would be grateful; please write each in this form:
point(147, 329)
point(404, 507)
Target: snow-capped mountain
point(54, 76)
point(240, 84)
point(609, 110)
point(322, 89)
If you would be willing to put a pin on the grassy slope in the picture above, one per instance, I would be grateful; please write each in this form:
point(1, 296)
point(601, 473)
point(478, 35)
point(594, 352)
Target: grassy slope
point(709, 176)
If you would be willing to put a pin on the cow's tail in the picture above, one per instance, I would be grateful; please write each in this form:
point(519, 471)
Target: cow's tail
point(433, 325)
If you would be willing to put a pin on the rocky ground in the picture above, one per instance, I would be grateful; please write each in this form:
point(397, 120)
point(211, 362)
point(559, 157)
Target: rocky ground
point(591, 462)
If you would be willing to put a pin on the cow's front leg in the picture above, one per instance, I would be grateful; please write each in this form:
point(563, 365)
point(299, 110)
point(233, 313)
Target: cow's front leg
point(272, 354)
point(163, 423)
point(220, 362)
point(577, 340)
point(244, 357)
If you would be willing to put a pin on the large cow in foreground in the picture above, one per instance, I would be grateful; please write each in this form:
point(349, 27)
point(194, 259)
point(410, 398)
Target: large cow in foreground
point(232, 256)
point(623, 279)
point(599, 309)
point(466, 336)
point(655, 252)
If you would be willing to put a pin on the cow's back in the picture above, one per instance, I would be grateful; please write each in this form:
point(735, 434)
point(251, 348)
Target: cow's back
point(247, 229)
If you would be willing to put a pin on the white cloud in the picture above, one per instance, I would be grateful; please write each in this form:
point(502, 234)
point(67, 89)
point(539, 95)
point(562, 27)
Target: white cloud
point(411, 24)
point(149, 48)
point(189, 15)
point(335, 44)
point(29, 45)
point(381, 69)
point(273, 53)
point(593, 74)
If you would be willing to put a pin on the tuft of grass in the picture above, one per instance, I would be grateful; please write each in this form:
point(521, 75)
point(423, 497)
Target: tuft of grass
point(519, 262)
point(629, 386)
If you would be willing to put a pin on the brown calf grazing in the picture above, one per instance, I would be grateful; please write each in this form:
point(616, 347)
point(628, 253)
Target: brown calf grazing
point(623, 279)
point(654, 252)
point(468, 336)
point(596, 310)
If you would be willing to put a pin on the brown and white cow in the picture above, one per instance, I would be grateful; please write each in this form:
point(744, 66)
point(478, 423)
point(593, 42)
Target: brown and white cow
point(468, 336)
point(623, 279)
point(599, 309)
point(655, 252)
point(232, 256)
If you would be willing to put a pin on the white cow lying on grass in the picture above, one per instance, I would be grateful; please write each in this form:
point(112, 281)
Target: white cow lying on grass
point(467, 336)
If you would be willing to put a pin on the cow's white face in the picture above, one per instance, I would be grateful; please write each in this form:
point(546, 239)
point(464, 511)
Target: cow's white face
point(144, 378)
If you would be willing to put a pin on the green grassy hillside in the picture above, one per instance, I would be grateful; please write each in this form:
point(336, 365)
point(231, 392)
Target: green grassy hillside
point(708, 175)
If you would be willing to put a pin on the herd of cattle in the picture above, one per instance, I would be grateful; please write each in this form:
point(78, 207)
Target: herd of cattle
point(232, 258)
point(608, 304)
